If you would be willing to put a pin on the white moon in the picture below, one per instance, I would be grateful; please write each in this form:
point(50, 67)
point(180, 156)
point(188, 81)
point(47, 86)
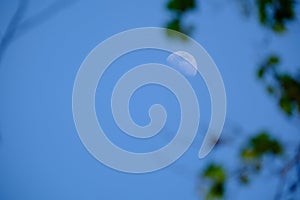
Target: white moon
point(184, 62)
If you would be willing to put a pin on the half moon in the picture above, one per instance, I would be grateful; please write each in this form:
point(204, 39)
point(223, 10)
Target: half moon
point(184, 62)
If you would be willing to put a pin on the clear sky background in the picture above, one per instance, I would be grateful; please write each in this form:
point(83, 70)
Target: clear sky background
point(41, 155)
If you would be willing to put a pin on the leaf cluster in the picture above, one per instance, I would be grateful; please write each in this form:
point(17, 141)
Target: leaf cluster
point(275, 14)
point(284, 86)
point(216, 176)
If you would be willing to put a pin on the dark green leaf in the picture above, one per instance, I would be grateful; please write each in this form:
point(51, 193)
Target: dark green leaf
point(215, 172)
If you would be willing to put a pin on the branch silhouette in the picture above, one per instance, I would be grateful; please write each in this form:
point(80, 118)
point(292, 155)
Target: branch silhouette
point(18, 25)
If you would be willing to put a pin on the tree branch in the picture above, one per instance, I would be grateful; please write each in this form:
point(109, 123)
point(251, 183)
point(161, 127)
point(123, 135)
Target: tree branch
point(16, 27)
point(12, 27)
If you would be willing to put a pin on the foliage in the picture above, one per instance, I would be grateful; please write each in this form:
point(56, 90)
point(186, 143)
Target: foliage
point(274, 14)
point(284, 87)
point(181, 6)
point(178, 9)
point(216, 176)
point(252, 154)
point(260, 145)
point(250, 163)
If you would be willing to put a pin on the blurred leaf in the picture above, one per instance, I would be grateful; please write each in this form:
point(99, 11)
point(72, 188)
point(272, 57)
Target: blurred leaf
point(285, 87)
point(175, 25)
point(215, 173)
point(274, 14)
point(273, 60)
point(244, 179)
point(260, 145)
point(268, 64)
point(217, 177)
point(290, 93)
point(261, 72)
point(286, 105)
point(248, 154)
point(270, 89)
point(181, 5)
point(257, 166)
point(279, 28)
point(178, 8)
point(216, 191)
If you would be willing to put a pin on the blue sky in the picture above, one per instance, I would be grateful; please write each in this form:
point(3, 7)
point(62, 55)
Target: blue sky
point(41, 154)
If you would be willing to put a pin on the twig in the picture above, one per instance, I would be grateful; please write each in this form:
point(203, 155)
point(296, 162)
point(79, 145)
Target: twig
point(43, 16)
point(16, 27)
point(12, 27)
point(291, 163)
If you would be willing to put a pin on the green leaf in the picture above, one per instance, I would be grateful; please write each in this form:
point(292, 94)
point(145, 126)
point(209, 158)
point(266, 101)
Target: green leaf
point(216, 191)
point(175, 25)
point(244, 179)
point(273, 60)
point(270, 89)
point(262, 144)
point(259, 145)
point(261, 72)
point(215, 173)
point(286, 105)
point(274, 14)
point(248, 154)
point(181, 5)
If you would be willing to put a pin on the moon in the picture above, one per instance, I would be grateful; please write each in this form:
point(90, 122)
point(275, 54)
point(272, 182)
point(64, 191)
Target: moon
point(184, 62)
